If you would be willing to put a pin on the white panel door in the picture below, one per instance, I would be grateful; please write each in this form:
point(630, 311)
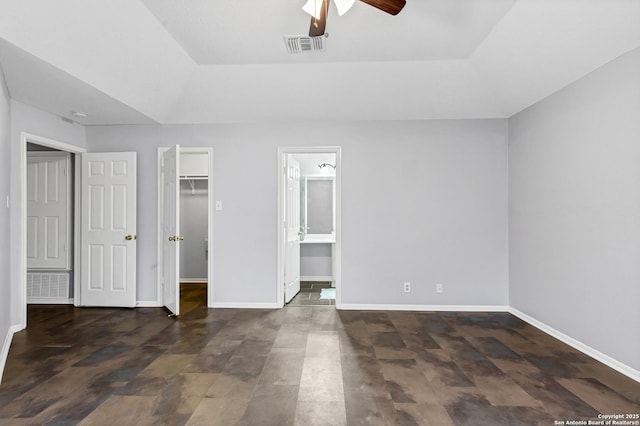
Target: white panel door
point(292, 227)
point(171, 229)
point(108, 239)
point(48, 187)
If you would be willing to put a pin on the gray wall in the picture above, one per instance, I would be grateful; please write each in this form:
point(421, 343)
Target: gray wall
point(5, 248)
point(574, 210)
point(438, 213)
point(315, 260)
point(194, 228)
point(425, 202)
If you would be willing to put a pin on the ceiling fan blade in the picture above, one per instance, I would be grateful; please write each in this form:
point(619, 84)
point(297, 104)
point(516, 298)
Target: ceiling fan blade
point(318, 25)
point(392, 7)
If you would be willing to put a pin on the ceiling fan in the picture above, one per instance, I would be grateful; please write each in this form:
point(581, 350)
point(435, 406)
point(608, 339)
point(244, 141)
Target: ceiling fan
point(318, 10)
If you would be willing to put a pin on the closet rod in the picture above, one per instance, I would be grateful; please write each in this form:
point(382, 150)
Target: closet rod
point(187, 177)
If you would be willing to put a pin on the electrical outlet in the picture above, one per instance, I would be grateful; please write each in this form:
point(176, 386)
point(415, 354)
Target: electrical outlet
point(407, 287)
point(439, 288)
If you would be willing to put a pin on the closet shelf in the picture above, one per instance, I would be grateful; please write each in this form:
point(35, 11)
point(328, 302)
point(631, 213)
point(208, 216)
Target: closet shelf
point(194, 177)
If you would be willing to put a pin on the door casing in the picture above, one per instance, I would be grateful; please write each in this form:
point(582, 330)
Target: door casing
point(281, 240)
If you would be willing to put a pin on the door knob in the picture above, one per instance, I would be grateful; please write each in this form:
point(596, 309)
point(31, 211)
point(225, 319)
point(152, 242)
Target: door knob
point(179, 238)
point(172, 238)
point(130, 237)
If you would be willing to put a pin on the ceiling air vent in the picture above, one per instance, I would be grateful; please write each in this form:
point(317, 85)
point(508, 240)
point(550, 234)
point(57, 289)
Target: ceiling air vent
point(299, 44)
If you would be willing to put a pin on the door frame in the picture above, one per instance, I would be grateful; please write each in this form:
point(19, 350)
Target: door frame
point(22, 206)
point(210, 205)
point(336, 254)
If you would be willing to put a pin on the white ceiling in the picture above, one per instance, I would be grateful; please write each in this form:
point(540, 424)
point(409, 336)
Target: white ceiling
point(251, 31)
point(203, 61)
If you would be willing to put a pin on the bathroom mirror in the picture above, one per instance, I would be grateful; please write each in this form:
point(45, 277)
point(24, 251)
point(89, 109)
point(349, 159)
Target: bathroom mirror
point(318, 208)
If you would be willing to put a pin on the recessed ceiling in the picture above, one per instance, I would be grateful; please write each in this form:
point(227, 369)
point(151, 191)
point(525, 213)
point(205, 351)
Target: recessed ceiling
point(203, 61)
point(250, 32)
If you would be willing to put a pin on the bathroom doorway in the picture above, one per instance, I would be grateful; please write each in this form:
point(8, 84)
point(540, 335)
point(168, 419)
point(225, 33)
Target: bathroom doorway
point(309, 226)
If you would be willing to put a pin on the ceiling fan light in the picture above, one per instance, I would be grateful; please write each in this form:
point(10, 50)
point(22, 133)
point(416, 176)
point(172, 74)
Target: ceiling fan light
point(313, 8)
point(343, 6)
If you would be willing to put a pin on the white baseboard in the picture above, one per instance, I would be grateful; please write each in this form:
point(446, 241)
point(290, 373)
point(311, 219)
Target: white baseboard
point(241, 305)
point(593, 353)
point(5, 347)
point(193, 280)
point(423, 308)
point(316, 278)
point(48, 301)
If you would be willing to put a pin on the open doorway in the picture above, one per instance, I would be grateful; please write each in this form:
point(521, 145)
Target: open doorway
point(49, 262)
point(309, 226)
point(194, 228)
point(185, 228)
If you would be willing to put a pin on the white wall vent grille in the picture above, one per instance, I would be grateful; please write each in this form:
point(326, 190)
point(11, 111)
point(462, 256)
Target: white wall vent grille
point(300, 44)
point(47, 285)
